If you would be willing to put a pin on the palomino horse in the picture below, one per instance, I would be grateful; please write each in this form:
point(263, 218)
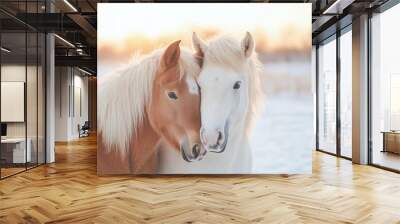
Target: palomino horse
point(230, 95)
point(152, 101)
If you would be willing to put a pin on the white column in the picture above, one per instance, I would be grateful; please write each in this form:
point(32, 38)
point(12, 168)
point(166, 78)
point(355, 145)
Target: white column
point(50, 99)
point(360, 90)
point(50, 92)
point(63, 100)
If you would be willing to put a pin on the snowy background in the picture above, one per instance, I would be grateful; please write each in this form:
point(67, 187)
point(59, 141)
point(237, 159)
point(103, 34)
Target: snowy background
point(282, 139)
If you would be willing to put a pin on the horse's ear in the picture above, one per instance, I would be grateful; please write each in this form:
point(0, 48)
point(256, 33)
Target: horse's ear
point(199, 46)
point(248, 45)
point(171, 55)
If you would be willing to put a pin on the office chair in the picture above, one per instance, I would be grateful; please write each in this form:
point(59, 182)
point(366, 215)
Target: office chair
point(84, 130)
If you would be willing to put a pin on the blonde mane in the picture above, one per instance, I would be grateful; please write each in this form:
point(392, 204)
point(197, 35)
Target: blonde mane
point(123, 98)
point(228, 52)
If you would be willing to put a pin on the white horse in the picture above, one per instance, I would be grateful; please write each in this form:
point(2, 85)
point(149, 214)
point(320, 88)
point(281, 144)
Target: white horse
point(231, 93)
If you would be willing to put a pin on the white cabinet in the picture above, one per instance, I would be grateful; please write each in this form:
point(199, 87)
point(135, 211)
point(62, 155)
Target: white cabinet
point(16, 147)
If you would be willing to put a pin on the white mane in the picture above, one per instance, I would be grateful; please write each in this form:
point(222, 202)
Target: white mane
point(123, 97)
point(228, 52)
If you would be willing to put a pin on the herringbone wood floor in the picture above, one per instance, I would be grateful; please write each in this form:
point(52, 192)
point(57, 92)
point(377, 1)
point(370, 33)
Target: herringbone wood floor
point(70, 192)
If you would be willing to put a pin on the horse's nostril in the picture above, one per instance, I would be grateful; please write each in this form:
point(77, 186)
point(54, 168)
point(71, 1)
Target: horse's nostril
point(219, 136)
point(196, 150)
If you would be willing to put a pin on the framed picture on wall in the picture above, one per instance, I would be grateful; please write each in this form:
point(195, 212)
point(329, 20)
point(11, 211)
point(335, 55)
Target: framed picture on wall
point(12, 101)
point(204, 88)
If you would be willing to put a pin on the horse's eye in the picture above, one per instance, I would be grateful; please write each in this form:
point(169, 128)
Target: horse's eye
point(172, 95)
point(236, 85)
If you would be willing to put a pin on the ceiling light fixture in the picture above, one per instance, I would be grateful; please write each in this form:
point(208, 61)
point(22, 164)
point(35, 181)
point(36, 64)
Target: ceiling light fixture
point(65, 41)
point(79, 51)
point(70, 5)
point(5, 50)
point(84, 71)
point(337, 7)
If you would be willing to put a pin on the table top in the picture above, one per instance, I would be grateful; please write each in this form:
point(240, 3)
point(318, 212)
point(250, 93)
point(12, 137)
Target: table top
point(13, 140)
point(391, 132)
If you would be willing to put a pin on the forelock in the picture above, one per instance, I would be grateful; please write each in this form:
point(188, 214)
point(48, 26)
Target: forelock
point(225, 51)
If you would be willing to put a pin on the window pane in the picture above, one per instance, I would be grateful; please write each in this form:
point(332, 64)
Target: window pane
point(386, 89)
point(346, 93)
point(327, 96)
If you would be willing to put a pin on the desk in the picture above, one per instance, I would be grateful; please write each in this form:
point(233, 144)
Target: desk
point(13, 150)
point(391, 141)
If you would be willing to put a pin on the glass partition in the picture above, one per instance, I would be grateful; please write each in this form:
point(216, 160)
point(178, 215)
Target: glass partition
point(32, 95)
point(22, 77)
point(14, 153)
point(32, 84)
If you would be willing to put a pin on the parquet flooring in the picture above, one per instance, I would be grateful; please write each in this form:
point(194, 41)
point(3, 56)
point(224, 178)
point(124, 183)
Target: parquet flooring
point(10, 171)
point(69, 191)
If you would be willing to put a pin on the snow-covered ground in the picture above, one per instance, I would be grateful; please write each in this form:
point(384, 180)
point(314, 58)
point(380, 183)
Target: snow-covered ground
point(282, 139)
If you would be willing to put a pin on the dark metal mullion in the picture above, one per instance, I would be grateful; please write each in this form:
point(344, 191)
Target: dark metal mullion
point(369, 90)
point(72, 93)
point(13, 174)
point(60, 88)
point(26, 87)
point(385, 168)
point(317, 95)
point(318, 5)
point(385, 6)
point(69, 93)
point(0, 97)
point(45, 93)
point(333, 154)
point(37, 91)
point(91, 5)
point(338, 98)
point(15, 18)
point(45, 90)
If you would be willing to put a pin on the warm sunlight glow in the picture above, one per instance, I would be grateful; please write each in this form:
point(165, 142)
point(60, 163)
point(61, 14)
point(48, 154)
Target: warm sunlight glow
point(127, 29)
point(168, 18)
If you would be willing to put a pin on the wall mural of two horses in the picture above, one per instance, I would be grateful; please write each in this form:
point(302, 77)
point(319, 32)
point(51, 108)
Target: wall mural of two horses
point(182, 110)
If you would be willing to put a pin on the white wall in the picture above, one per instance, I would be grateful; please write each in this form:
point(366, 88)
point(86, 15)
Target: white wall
point(70, 81)
point(79, 117)
point(62, 81)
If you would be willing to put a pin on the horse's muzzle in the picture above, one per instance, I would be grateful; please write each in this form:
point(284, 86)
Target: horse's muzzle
point(196, 152)
point(221, 141)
